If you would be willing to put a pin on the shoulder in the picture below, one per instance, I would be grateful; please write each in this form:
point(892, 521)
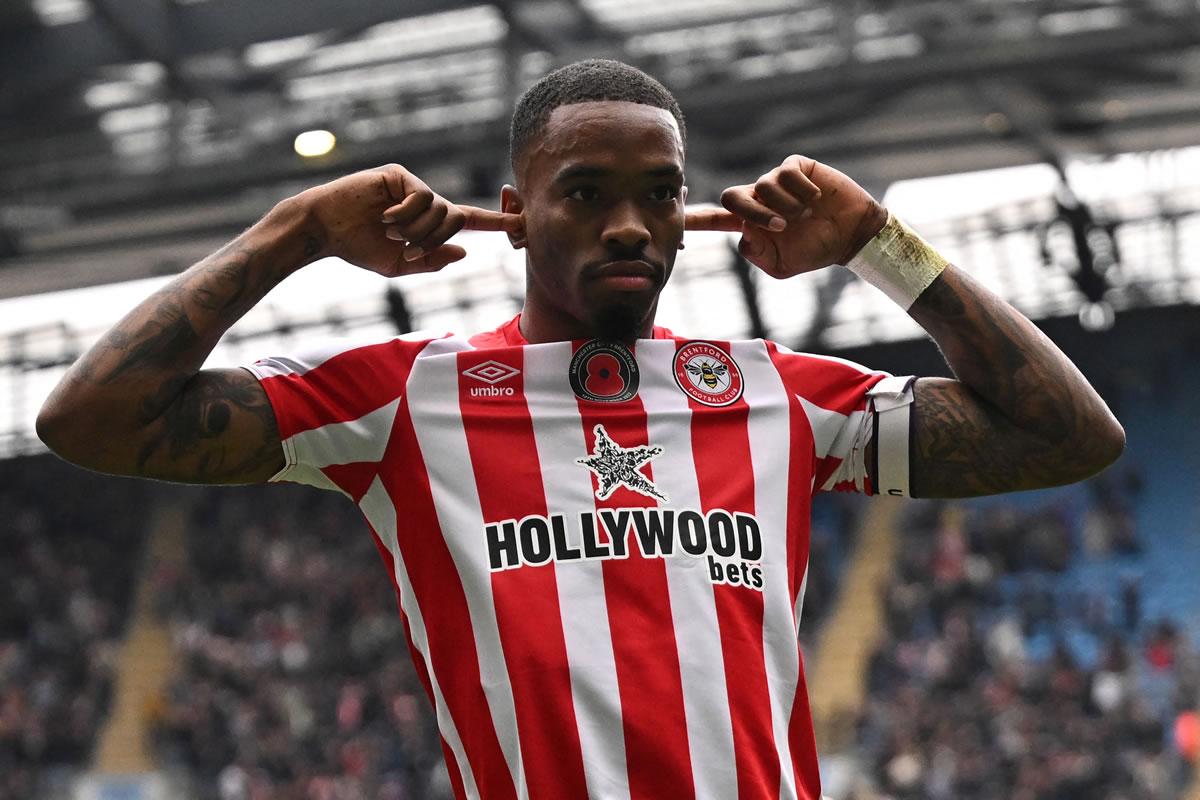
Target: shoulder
point(330, 354)
point(816, 360)
point(817, 364)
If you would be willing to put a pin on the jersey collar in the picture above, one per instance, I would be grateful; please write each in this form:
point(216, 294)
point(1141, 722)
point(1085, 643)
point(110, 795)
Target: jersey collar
point(511, 331)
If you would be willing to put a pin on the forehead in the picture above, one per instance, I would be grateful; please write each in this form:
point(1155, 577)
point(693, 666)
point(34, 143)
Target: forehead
point(610, 134)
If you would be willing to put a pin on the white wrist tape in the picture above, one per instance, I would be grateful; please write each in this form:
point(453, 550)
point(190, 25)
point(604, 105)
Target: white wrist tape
point(898, 262)
point(891, 400)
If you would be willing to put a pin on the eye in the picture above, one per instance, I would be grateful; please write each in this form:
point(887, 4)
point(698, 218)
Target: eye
point(586, 194)
point(664, 193)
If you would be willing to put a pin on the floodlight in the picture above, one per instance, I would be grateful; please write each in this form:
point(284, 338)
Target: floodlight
point(312, 144)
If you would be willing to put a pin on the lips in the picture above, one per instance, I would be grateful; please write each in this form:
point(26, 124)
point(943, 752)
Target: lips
point(632, 275)
point(626, 271)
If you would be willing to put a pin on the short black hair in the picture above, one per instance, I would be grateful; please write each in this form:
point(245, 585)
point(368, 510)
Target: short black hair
point(583, 82)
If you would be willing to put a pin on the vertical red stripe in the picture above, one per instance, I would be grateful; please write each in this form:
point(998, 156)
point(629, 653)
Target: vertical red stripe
point(725, 478)
point(801, 466)
point(804, 743)
point(456, 781)
point(643, 632)
point(508, 475)
point(452, 769)
point(443, 603)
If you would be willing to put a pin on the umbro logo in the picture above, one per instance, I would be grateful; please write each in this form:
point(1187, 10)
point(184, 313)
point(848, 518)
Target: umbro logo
point(491, 373)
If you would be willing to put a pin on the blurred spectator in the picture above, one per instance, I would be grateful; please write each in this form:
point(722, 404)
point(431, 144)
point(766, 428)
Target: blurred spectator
point(296, 678)
point(1131, 602)
point(959, 706)
point(70, 541)
point(835, 523)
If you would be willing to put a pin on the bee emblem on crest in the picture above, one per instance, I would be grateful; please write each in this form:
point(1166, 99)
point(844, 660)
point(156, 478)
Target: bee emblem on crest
point(710, 374)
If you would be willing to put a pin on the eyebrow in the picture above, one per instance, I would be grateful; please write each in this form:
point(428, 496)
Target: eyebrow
point(586, 171)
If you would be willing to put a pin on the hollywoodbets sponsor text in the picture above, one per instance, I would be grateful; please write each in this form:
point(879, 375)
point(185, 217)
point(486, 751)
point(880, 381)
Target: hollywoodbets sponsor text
point(732, 542)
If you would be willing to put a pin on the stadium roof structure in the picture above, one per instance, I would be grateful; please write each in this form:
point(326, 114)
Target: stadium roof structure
point(129, 124)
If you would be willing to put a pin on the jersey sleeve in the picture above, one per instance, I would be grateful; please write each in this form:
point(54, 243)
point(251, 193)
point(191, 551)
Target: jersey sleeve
point(335, 405)
point(847, 406)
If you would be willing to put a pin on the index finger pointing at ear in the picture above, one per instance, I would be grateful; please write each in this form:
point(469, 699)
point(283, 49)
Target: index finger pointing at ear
point(482, 219)
point(712, 219)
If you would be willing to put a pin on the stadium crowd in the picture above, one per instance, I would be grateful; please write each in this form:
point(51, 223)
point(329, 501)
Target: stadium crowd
point(66, 578)
point(296, 680)
point(981, 688)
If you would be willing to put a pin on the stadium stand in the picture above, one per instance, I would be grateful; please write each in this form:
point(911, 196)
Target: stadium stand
point(1007, 672)
point(295, 679)
point(836, 519)
point(65, 570)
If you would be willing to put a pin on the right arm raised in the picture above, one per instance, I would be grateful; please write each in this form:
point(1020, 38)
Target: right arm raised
point(137, 403)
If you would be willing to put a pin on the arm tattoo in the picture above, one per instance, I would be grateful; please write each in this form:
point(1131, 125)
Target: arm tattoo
point(161, 416)
point(963, 446)
point(191, 436)
point(1020, 415)
point(155, 342)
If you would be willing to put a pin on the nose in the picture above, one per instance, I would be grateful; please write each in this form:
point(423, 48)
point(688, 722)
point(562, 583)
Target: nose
point(625, 229)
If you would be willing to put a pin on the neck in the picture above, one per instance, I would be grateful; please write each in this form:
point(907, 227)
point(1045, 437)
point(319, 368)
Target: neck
point(542, 322)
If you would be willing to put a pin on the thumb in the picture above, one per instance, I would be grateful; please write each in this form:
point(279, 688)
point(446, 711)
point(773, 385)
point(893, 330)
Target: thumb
point(757, 247)
point(441, 256)
point(752, 244)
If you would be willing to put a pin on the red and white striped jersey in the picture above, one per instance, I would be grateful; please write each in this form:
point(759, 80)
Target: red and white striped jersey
point(600, 553)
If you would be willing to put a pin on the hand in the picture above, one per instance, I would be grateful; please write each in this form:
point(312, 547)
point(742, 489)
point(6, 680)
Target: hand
point(799, 217)
point(388, 221)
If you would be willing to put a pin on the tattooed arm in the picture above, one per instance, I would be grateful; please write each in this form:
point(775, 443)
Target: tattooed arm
point(1019, 415)
point(137, 402)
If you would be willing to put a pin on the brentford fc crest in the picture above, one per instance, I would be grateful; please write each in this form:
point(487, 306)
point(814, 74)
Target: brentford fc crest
point(707, 374)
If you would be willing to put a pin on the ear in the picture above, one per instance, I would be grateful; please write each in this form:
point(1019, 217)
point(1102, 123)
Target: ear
point(511, 203)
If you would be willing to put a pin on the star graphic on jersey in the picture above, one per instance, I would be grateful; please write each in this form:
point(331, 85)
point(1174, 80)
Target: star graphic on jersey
point(618, 466)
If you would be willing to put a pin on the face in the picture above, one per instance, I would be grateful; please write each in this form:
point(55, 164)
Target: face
point(601, 190)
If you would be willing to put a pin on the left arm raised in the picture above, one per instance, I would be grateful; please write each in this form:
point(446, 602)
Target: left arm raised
point(1018, 415)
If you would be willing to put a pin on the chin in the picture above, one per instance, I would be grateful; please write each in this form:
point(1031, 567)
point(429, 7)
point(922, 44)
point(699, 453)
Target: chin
point(620, 322)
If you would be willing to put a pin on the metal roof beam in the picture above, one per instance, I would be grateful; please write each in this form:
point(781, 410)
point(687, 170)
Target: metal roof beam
point(55, 58)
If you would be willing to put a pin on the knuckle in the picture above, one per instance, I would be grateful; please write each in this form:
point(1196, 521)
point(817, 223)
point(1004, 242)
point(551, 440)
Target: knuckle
point(439, 236)
point(428, 228)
